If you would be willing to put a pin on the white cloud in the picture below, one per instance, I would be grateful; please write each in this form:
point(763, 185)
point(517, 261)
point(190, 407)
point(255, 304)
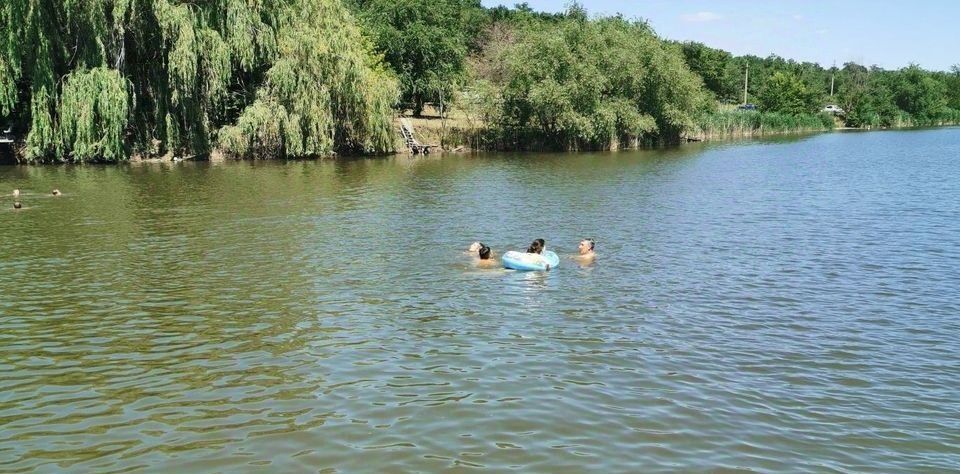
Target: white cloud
point(701, 17)
point(798, 17)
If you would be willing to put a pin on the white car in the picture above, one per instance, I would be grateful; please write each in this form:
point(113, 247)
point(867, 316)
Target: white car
point(833, 109)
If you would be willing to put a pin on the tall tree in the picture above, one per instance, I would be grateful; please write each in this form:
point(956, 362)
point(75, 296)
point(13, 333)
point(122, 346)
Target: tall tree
point(424, 41)
point(710, 64)
point(919, 94)
point(787, 93)
point(98, 79)
point(953, 87)
point(582, 83)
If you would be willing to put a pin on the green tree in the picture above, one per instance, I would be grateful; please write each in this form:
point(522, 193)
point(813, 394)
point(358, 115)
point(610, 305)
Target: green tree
point(711, 64)
point(787, 93)
point(582, 83)
point(880, 106)
point(917, 93)
point(733, 77)
point(424, 41)
point(852, 86)
point(953, 87)
point(99, 79)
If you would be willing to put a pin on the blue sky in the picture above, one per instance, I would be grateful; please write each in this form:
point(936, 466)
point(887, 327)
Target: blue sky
point(891, 34)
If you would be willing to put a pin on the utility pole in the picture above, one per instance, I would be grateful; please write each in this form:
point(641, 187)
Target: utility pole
point(746, 80)
point(833, 72)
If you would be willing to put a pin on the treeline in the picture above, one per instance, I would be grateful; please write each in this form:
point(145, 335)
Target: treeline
point(84, 80)
point(869, 96)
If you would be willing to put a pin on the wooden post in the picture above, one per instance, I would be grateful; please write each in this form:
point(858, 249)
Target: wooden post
point(443, 121)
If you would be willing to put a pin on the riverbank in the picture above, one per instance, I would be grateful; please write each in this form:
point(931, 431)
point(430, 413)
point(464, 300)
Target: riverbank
point(460, 133)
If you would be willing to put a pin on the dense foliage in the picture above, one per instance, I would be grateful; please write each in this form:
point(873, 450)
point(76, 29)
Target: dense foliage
point(787, 93)
point(100, 79)
point(85, 80)
point(576, 83)
point(424, 41)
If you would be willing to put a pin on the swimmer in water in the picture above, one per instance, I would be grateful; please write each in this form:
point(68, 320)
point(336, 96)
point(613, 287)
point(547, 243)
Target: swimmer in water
point(536, 249)
point(16, 192)
point(56, 192)
point(537, 246)
point(586, 249)
point(485, 255)
point(17, 205)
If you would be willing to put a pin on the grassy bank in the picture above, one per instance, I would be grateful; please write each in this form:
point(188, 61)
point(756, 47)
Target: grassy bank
point(461, 133)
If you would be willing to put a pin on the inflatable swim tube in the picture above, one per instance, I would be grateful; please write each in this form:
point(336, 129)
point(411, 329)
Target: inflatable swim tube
point(530, 261)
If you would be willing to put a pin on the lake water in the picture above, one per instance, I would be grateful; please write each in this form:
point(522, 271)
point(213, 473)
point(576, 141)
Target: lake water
point(789, 305)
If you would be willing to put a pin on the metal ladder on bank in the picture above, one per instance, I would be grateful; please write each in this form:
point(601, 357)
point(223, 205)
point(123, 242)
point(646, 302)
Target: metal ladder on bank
point(406, 130)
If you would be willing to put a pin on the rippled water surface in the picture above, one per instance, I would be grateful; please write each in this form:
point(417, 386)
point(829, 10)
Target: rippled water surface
point(789, 305)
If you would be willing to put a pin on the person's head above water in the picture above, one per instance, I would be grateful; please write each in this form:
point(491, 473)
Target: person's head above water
point(484, 252)
point(586, 246)
point(537, 246)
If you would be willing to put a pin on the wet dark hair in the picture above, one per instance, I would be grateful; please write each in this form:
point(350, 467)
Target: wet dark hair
point(537, 246)
point(17, 205)
point(592, 243)
point(484, 252)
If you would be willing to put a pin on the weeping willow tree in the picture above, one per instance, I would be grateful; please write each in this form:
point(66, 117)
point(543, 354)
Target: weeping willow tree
point(94, 106)
point(324, 93)
point(102, 79)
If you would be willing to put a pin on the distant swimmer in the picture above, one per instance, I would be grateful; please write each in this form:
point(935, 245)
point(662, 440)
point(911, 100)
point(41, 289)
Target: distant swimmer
point(56, 192)
point(586, 249)
point(16, 193)
point(17, 205)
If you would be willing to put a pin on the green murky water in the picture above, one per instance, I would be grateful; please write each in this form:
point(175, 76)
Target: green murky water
point(770, 306)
